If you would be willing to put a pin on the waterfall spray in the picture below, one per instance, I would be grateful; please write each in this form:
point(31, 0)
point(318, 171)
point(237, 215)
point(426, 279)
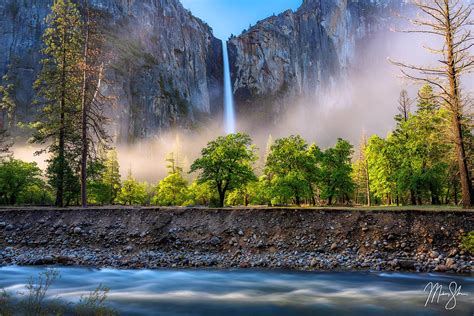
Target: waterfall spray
point(229, 112)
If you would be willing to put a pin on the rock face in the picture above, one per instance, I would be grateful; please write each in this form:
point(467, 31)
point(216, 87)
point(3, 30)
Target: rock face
point(165, 69)
point(302, 53)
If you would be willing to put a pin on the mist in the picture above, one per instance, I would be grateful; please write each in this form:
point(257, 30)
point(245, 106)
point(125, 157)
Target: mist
point(365, 101)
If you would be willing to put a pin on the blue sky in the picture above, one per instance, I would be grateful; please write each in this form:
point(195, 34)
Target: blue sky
point(232, 16)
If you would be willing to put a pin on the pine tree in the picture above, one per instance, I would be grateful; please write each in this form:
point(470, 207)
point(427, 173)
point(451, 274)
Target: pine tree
point(7, 110)
point(361, 170)
point(111, 176)
point(58, 89)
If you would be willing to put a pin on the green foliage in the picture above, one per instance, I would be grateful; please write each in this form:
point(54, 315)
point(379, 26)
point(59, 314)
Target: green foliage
point(254, 193)
point(336, 171)
point(70, 180)
point(201, 194)
point(292, 169)
point(172, 190)
point(19, 179)
point(226, 163)
point(467, 243)
point(7, 110)
point(59, 92)
point(104, 181)
point(132, 192)
point(7, 100)
point(411, 164)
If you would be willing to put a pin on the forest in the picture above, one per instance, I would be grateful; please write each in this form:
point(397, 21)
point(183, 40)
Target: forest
point(426, 159)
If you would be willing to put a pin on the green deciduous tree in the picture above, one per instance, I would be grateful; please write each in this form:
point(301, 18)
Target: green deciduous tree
point(336, 170)
point(171, 191)
point(16, 178)
point(201, 194)
point(292, 169)
point(132, 192)
point(226, 163)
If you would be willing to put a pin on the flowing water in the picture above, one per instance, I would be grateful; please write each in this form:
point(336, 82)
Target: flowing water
point(229, 111)
point(254, 292)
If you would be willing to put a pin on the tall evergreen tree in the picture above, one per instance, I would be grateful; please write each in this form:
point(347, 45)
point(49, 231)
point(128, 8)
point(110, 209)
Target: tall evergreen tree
point(111, 176)
point(7, 110)
point(59, 91)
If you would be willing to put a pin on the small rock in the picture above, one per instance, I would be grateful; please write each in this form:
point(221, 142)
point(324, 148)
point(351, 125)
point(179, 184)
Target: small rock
point(407, 264)
point(441, 268)
point(77, 230)
point(434, 254)
point(241, 233)
point(215, 241)
point(450, 262)
point(244, 264)
point(333, 246)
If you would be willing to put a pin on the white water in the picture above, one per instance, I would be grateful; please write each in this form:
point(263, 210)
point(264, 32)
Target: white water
point(251, 292)
point(229, 111)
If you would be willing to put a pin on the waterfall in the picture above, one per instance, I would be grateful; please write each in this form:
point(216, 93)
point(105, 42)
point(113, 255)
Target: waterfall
point(229, 113)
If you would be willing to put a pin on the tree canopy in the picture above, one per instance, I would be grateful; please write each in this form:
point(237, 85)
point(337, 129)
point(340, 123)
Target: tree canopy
point(226, 163)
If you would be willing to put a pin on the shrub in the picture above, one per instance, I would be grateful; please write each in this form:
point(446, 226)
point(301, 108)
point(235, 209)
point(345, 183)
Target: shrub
point(467, 243)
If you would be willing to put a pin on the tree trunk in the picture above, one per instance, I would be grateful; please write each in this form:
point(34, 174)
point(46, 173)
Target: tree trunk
point(62, 131)
point(455, 107)
point(85, 145)
point(221, 195)
point(367, 183)
point(412, 197)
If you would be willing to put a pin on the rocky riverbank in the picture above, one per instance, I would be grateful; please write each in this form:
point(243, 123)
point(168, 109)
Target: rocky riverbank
point(306, 239)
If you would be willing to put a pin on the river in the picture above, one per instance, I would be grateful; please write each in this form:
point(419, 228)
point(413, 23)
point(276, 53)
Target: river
point(254, 292)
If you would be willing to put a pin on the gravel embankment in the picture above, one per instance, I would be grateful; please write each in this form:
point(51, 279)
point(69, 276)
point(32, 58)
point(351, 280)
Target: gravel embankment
point(303, 239)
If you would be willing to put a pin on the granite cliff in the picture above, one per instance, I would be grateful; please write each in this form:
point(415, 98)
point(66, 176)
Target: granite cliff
point(301, 54)
point(165, 70)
